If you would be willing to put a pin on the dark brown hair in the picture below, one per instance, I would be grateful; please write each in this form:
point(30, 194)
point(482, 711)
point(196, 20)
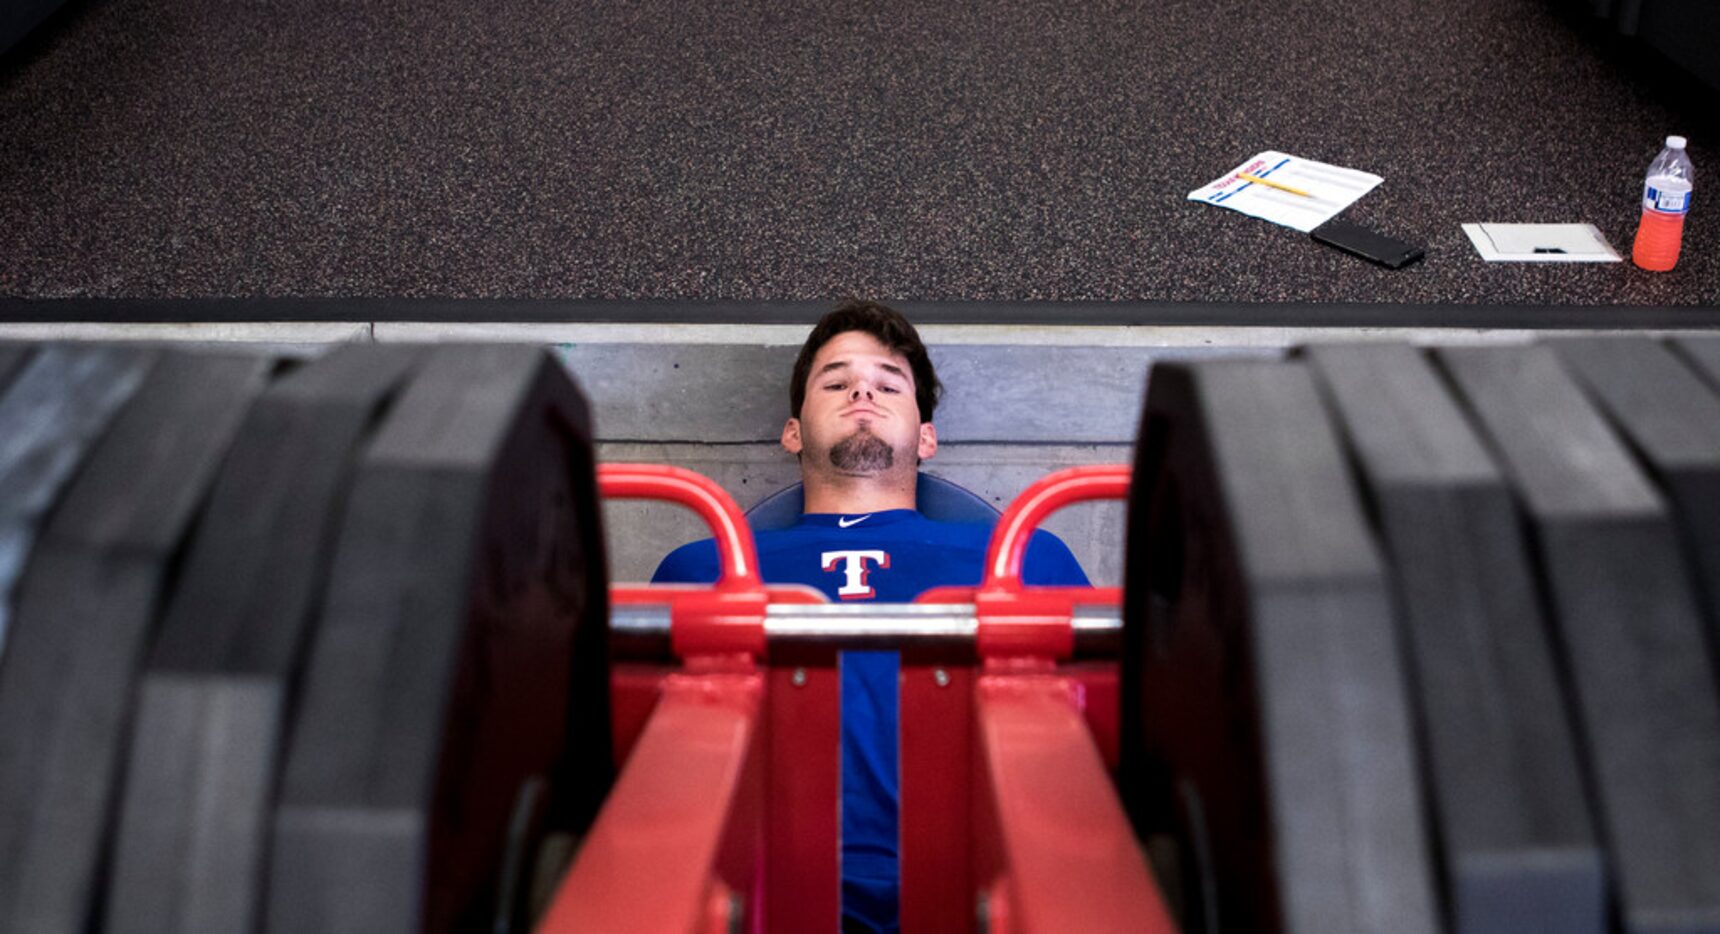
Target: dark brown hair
point(890, 328)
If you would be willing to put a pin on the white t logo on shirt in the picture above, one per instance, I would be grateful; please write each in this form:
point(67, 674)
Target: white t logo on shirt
point(854, 567)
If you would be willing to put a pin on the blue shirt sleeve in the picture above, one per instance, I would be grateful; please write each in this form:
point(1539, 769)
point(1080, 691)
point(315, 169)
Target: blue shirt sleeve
point(1050, 563)
point(692, 563)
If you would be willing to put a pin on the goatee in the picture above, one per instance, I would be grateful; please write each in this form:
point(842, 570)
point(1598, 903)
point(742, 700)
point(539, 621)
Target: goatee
point(862, 452)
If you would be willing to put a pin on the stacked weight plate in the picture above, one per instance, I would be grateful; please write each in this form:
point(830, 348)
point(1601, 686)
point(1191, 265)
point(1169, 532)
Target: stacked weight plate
point(56, 402)
point(316, 646)
point(1423, 638)
point(1657, 404)
point(84, 616)
point(1263, 668)
point(1639, 665)
point(440, 680)
point(1504, 783)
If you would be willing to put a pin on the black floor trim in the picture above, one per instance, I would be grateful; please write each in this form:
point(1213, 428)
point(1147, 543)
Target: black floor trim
point(1161, 314)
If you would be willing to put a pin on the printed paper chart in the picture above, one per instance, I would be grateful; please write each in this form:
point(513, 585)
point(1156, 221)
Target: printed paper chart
point(1321, 190)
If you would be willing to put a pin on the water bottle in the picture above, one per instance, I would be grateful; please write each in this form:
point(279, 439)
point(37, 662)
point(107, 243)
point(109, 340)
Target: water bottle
point(1665, 201)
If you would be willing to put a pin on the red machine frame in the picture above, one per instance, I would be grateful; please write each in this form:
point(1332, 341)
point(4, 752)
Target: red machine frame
point(727, 808)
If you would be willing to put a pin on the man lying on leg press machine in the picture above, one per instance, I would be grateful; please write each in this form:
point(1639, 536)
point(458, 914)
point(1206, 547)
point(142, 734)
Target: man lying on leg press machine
point(861, 399)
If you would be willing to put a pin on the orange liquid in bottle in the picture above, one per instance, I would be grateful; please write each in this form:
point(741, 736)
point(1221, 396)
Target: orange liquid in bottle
point(1657, 241)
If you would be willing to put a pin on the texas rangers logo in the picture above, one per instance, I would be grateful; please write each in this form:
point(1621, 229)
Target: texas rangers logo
point(855, 569)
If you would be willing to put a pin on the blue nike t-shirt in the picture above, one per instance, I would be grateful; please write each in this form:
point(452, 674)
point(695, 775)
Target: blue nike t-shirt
point(885, 557)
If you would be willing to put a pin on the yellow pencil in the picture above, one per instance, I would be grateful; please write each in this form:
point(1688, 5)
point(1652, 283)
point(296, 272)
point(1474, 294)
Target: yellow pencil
point(1269, 183)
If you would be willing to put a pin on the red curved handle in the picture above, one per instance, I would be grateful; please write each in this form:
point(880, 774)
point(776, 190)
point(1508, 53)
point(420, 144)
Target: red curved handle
point(1035, 624)
point(737, 558)
point(1052, 492)
point(726, 619)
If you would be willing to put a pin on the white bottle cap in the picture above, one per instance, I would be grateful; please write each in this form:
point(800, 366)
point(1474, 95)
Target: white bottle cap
point(1675, 142)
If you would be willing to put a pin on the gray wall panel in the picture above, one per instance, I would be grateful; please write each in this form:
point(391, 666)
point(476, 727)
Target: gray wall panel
point(1018, 394)
point(712, 393)
point(738, 393)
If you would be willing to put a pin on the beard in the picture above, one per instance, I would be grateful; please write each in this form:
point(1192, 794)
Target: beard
point(862, 452)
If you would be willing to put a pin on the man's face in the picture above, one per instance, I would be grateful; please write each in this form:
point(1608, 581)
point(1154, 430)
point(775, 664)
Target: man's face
point(859, 417)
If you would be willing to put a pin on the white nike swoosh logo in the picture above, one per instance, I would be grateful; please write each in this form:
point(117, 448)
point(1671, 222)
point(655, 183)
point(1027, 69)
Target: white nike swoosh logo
point(845, 522)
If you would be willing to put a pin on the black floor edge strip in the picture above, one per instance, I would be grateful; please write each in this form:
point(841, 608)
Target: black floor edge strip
point(1016, 313)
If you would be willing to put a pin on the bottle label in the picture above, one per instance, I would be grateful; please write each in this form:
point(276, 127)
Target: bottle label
point(1664, 201)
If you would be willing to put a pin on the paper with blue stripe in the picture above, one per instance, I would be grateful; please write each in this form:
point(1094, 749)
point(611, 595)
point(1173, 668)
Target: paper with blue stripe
point(1325, 190)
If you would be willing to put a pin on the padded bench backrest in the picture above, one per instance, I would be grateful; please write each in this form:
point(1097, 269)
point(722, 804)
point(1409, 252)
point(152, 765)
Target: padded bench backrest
point(936, 497)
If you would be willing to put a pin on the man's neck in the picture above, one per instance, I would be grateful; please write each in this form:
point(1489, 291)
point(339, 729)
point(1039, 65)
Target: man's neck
point(854, 495)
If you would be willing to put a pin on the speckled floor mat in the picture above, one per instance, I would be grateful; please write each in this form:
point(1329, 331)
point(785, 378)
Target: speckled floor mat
point(996, 150)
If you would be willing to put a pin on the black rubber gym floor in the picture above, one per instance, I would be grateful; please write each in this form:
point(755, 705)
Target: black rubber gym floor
point(1008, 151)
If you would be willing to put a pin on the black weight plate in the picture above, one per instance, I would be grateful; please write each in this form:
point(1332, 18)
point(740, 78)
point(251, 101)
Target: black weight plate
point(12, 359)
point(1626, 621)
point(1672, 419)
point(460, 654)
point(50, 415)
point(1704, 353)
point(85, 611)
point(1506, 786)
point(1268, 684)
point(215, 701)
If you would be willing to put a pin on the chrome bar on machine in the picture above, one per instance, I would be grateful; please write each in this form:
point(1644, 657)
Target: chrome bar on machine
point(940, 631)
